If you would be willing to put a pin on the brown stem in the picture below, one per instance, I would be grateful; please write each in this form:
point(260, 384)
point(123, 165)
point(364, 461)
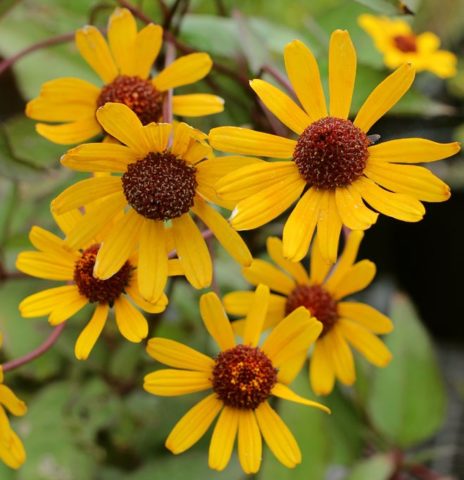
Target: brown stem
point(273, 72)
point(49, 342)
point(170, 14)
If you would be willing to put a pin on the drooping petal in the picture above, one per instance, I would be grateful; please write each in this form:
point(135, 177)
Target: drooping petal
point(91, 332)
point(329, 226)
point(282, 391)
point(303, 72)
point(261, 271)
point(170, 383)
point(296, 270)
point(216, 321)
point(70, 133)
point(249, 442)
point(321, 370)
point(366, 316)
point(342, 357)
point(193, 425)
point(385, 96)
point(196, 104)
point(178, 355)
point(223, 439)
point(131, 323)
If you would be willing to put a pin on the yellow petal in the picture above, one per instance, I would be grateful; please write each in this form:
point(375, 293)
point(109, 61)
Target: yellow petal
point(152, 268)
point(289, 370)
point(396, 205)
point(216, 321)
point(371, 347)
point(175, 354)
point(249, 442)
point(182, 138)
point(122, 123)
point(122, 32)
point(278, 437)
point(69, 133)
point(45, 265)
point(86, 191)
point(157, 135)
point(342, 73)
point(321, 371)
point(196, 104)
point(11, 402)
point(255, 316)
point(147, 46)
point(99, 157)
point(418, 182)
point(366, 316)
point(303, 72)
point(296, 270)
point(282, 391)
point(52, 110)
point(117, 247)
point(131, 323)
point(342, 358)
point(42, 303)
point(223, 439)
point(67, 90)
point(193, 425)
point(48, 242)
point(248, 142)
point(150, 307)
point(329, 226)
point(412, 150)
point(299, 227)
point(357, 278)
point(352, 210)
point(261, 271)
point(192, 251)
point(183, 71)
point(94, 49)
point(12, 451)
point(91, 332)
point(66, 309)
point(385, 96)
point(225, 234)
point(67, 221)
point(281, 105)
point(319, 266)
point(169, 383)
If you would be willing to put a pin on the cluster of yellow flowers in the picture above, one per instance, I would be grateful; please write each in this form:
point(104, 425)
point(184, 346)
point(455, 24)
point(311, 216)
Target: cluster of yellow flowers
point(131, 225)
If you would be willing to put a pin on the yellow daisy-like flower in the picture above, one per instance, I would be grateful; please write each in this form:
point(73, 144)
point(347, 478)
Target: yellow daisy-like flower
point(56, 260)
point(11, 448)
point(334, 166)
point(166, 174)
point(242, 376)
point(321, 291)
point(124, 65)
point(399, 44)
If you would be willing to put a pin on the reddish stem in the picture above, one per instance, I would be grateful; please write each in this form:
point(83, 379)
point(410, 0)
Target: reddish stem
point(49, 342)
point(167, 105)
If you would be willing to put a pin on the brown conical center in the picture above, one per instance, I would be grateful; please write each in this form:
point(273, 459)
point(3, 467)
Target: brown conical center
point(138, 94)
point(405, 43)
point(96, 290)
point(161, 186)
point(243, 377)
point(317, 300)
point(331, 153)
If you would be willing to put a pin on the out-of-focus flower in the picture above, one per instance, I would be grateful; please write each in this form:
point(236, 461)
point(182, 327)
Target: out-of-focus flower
point(242, 376)
point(124, 66)
point(399, 44)
point(321, 292)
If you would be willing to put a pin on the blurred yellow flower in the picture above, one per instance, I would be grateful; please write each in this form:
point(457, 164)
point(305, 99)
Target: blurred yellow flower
point(57, 260)
point(321, 292)
point(11, 448)
point(399, 44)
point(242, 376)
point(164, 173)
point(333, 167)
point(124, 65)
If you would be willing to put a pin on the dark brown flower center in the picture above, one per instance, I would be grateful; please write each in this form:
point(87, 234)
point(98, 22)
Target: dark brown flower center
point(161, 186)
point(405, 43)
point(96, 290)
point(331, 153)
point(138, 94)
point(317, 300)
point(243, 377)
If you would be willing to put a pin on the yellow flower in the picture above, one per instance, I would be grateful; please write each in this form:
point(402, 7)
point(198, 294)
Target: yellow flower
point(166, 173)
point(242, 377)
point(334, 166)
point(56, 260)
point(321, 292)
point(124, 65)
point(11, 448)
point(398, 44)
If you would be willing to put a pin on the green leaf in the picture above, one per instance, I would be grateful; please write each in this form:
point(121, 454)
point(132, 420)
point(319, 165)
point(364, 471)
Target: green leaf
point(377, 467)
point(381, 6)
point(407, 399)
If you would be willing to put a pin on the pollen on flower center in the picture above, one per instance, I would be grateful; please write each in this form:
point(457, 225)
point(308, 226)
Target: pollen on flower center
point(96, 290)
point(243, 377)
point(317, 300)
point(160, 186)
point(138, 94)
point(331, 153)
point(405, 43)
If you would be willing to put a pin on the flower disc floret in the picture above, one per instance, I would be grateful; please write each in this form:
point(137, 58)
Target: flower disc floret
point(102, 291)
point(243, 377)
point(405, 43)
point(331, 153)
point(137, 93)
point(160, 186)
